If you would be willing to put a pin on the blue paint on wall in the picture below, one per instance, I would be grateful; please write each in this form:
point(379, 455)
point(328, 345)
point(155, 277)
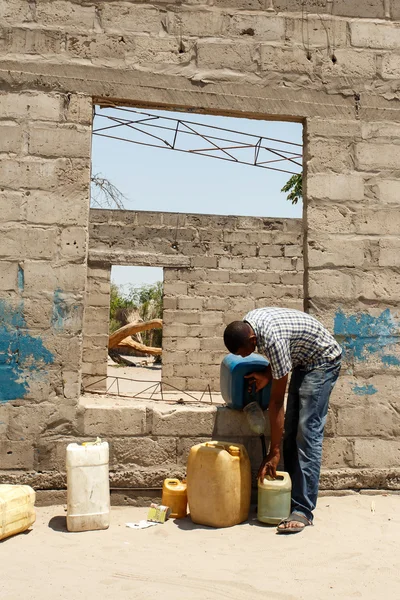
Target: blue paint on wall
point(363, 334)
point(21, 354)
point(65, 314)
point(21, 279)
point(390, 361)
point(60, 311)
point(364, 390)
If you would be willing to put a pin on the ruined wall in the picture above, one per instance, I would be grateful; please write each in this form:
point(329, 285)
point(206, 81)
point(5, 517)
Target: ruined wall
point(335, 65)
point(216, 269)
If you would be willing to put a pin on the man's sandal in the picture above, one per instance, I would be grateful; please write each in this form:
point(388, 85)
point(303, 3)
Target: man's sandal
point(293, 517)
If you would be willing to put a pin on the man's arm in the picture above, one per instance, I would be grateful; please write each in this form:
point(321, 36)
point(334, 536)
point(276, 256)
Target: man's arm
point(276, 419)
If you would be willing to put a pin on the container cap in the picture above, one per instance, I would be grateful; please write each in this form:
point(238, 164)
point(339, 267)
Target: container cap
point(234, 450)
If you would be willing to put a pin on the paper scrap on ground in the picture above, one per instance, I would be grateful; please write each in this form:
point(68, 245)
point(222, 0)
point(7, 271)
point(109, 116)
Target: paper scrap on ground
point(141, 525)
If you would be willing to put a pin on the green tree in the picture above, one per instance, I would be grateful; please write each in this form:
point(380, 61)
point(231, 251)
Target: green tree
point(146, 299)
point(295, 188)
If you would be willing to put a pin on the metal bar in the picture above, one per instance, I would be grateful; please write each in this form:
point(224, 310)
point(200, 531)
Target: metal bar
point(207, 140)
point(194, 133)
point(132, 110)
point(153, 392)
point(210, 155)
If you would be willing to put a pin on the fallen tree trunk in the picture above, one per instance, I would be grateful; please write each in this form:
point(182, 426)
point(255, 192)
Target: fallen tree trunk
point(121, 334)
point(130, 344)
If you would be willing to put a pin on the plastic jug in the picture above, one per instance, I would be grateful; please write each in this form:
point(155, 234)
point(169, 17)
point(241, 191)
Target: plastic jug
point(274, 498)
point(88, 495)
point(218, 484)
point(235, 388)
point(174, 495)
point(17, 509)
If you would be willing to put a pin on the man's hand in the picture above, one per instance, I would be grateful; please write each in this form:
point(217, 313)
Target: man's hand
point(260, 378)
point(269, 465)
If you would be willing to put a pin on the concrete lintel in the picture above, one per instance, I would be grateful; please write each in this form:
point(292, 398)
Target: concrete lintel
point(139, 259)
point(120, 86)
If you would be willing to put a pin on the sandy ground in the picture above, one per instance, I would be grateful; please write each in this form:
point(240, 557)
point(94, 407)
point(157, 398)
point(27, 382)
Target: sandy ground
point(142, 381)
point(352, 552)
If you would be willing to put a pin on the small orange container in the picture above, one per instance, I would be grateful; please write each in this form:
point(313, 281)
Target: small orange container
point(174, 496)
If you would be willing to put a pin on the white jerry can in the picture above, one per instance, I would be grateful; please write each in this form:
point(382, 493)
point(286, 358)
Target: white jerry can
point(88, 487)
point(17, 509)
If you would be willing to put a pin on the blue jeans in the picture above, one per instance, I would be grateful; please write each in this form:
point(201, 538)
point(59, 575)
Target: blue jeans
point(305, 419)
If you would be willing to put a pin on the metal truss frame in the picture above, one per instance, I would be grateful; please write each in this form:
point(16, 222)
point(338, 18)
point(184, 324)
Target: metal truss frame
point(159, 131)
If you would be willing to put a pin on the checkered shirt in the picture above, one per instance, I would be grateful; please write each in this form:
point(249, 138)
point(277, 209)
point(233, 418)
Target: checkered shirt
point(290, 338)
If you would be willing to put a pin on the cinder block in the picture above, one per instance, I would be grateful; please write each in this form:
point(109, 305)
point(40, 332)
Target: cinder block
point(34, 105)
point(207, 262)
point(330, 156)
point(16, 12)
point(157, 50)
point(28, 173)
point(121, 17)
point(74, 243)
point(281, 264)
point(337, 453)
point(373, 9)
point(10, 138)
point(239, 56)
point(293, 251)
point(336, 252)
point(333, 128)
point(189, 303)
point(144, 451)
point(187, 371)
point(331, 284)
point(12, 206)
point(376, 157)
point(376, 453)
point(74, 141)
point(377, 222)
point(174, 288)
point(255, 26)
point(287, 60)
point(373, 419)
point(16, 455)
point(9, 276)
point(389, 253)
point(388, 190)
point(327, 218)
point(100, 47)
point(335, 187)
point(350, 63)
point(31, 41)
point(176, 421)
point(78, 108)
point(47, 208)
point(4, 419)
point(271, 250)
point(318, 32)
point(195, 22)
point(374, 35)
point(63, 14)
point(113, 421)
point(188, 344)
point(211, 317)
point(225, 262)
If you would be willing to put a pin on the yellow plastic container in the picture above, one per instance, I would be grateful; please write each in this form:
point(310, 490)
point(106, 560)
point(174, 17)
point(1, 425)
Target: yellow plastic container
point(218, 484)
point(274, 498)
point(174, 495)
point(17, 509)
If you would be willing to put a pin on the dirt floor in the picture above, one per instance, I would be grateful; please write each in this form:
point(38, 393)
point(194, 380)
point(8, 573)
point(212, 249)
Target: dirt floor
point(352, 552)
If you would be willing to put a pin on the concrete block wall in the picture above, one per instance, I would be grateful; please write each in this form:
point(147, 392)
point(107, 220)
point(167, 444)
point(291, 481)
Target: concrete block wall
point(332, 65)
point(216, 269)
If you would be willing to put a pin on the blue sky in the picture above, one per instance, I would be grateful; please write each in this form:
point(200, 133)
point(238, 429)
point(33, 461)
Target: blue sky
point(156, 179)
